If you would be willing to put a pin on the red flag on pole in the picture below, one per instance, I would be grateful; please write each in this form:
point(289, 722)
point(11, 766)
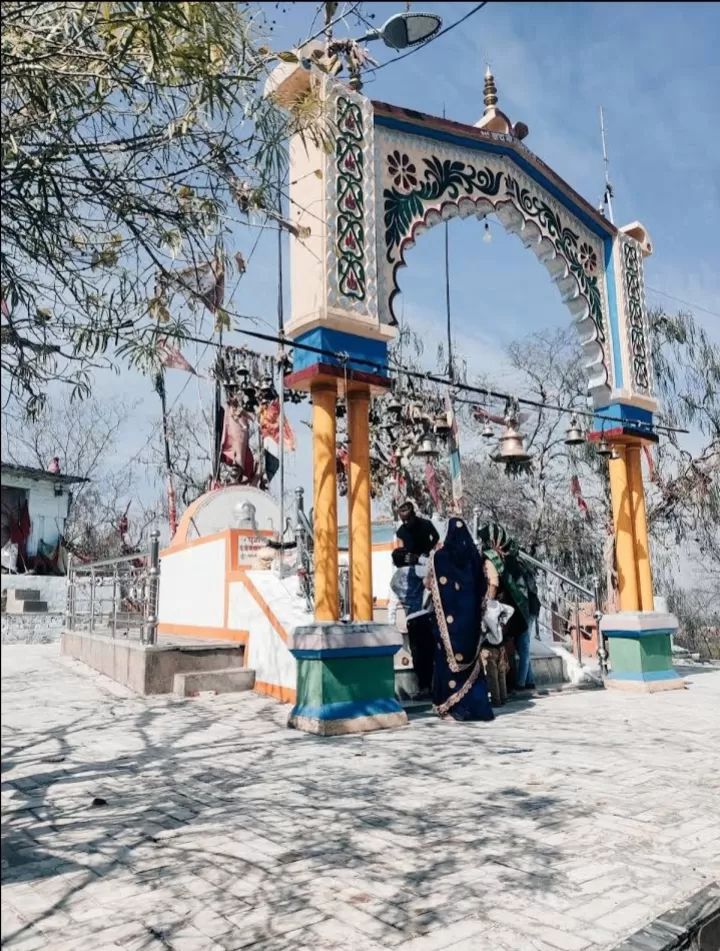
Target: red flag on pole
point(270, 425)
point(172, 506)
point(432, 483)
point(576, 491)
point(650, 462)
point(171, 358)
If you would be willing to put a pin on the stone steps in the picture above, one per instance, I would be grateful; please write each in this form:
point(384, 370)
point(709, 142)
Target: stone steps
point(225, 680)
point(24, 601)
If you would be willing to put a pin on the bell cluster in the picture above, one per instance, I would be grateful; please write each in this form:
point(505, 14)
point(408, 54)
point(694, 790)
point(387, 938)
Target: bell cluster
point(248, 378)
point(410, 426)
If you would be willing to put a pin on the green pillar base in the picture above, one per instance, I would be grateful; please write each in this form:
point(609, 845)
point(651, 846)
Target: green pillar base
point(640, 649)
point(345, 679)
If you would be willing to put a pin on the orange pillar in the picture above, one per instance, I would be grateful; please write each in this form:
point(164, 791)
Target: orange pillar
point(359, 509)
point(640, 530)
point(325, 518)
point(624, 532)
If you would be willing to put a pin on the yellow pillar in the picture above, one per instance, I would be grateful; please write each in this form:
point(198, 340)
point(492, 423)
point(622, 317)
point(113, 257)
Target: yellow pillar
point(640, 530)
point(325, 519)
point(624, 536)
point(359, 509)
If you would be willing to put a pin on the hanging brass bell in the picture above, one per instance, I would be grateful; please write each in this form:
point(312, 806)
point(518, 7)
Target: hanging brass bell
point(512, 447)
point(394, 406)
point(441, 425)
point(512, 442)
point(574, 435)
point(427, 448)
point(488, 432)
point(603, 449)
point(267, 390)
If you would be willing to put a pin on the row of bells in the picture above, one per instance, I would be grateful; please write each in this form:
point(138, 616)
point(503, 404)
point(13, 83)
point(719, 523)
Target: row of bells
point(512, 443)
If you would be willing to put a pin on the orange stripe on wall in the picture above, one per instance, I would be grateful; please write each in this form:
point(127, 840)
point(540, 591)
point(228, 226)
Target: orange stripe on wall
point(283, 694)
point(253, 591)
point(203, 633)
point(205, 540)
point(228, 568)
point(230, 534)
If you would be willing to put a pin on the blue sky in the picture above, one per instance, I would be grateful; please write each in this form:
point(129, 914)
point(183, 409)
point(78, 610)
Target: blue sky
point(655, 70)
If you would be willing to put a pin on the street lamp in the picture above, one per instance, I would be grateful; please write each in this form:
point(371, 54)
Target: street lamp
point(406, 29)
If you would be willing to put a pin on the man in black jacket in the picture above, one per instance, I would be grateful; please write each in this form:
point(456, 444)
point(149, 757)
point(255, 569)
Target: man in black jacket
point(417, 536)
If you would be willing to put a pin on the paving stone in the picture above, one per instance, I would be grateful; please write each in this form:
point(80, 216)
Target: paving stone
point(553, 937)
point(225, 831)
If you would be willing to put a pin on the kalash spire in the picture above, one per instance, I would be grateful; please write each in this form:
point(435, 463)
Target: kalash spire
point(491, 97)
point(494, 119)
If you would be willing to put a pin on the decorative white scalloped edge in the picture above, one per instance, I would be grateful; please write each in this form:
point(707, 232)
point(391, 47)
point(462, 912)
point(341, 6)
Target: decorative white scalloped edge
point(514, 220)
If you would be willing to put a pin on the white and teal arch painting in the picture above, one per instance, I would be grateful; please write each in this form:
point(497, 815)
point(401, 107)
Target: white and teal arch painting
point(391, 174)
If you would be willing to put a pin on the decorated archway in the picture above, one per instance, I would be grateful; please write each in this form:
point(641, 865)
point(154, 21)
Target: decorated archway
point(361, 199)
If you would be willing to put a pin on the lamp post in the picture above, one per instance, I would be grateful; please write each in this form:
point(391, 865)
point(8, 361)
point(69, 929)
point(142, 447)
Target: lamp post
point(401, 31)
point(405, 29)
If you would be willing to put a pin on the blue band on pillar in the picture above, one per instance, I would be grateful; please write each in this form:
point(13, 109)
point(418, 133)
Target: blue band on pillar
point(649, 675)
point(349, 710)
point(623, 419)
point(365, 354)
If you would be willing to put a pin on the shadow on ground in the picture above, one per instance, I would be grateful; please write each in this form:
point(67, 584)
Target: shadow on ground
point(136, 821)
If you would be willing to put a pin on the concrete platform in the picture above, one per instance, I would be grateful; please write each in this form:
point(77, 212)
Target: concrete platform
point(226, 680)
point(24, 601)
point(150, 669)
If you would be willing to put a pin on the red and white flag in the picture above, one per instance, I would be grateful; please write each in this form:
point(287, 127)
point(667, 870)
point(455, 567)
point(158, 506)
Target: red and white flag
point(576, 491)
point(270, 425)
point(650, 462)
point(171, 358)
point(432, 483)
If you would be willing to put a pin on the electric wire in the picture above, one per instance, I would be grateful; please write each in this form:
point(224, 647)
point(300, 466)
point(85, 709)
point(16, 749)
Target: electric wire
point(429, 377)
point(679, 300)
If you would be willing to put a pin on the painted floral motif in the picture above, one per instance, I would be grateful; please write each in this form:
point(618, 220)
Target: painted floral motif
point(350, 205)
point(402, 171)
point(632, 268)
point(441, 179)
point(442, 182)
point(588, 258)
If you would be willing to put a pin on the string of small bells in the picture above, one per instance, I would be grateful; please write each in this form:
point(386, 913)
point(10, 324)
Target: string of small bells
point(249, 378)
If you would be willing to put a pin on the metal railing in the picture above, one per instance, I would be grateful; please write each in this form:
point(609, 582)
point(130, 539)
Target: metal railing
point(116, 597)
point(561, 597)
point(305, 546)
point(304, 541)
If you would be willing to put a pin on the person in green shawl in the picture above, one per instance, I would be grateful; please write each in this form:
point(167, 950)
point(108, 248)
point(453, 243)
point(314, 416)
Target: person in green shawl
point(517, 581)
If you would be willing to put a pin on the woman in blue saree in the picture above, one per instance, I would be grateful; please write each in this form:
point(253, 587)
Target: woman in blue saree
point(457, 584)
